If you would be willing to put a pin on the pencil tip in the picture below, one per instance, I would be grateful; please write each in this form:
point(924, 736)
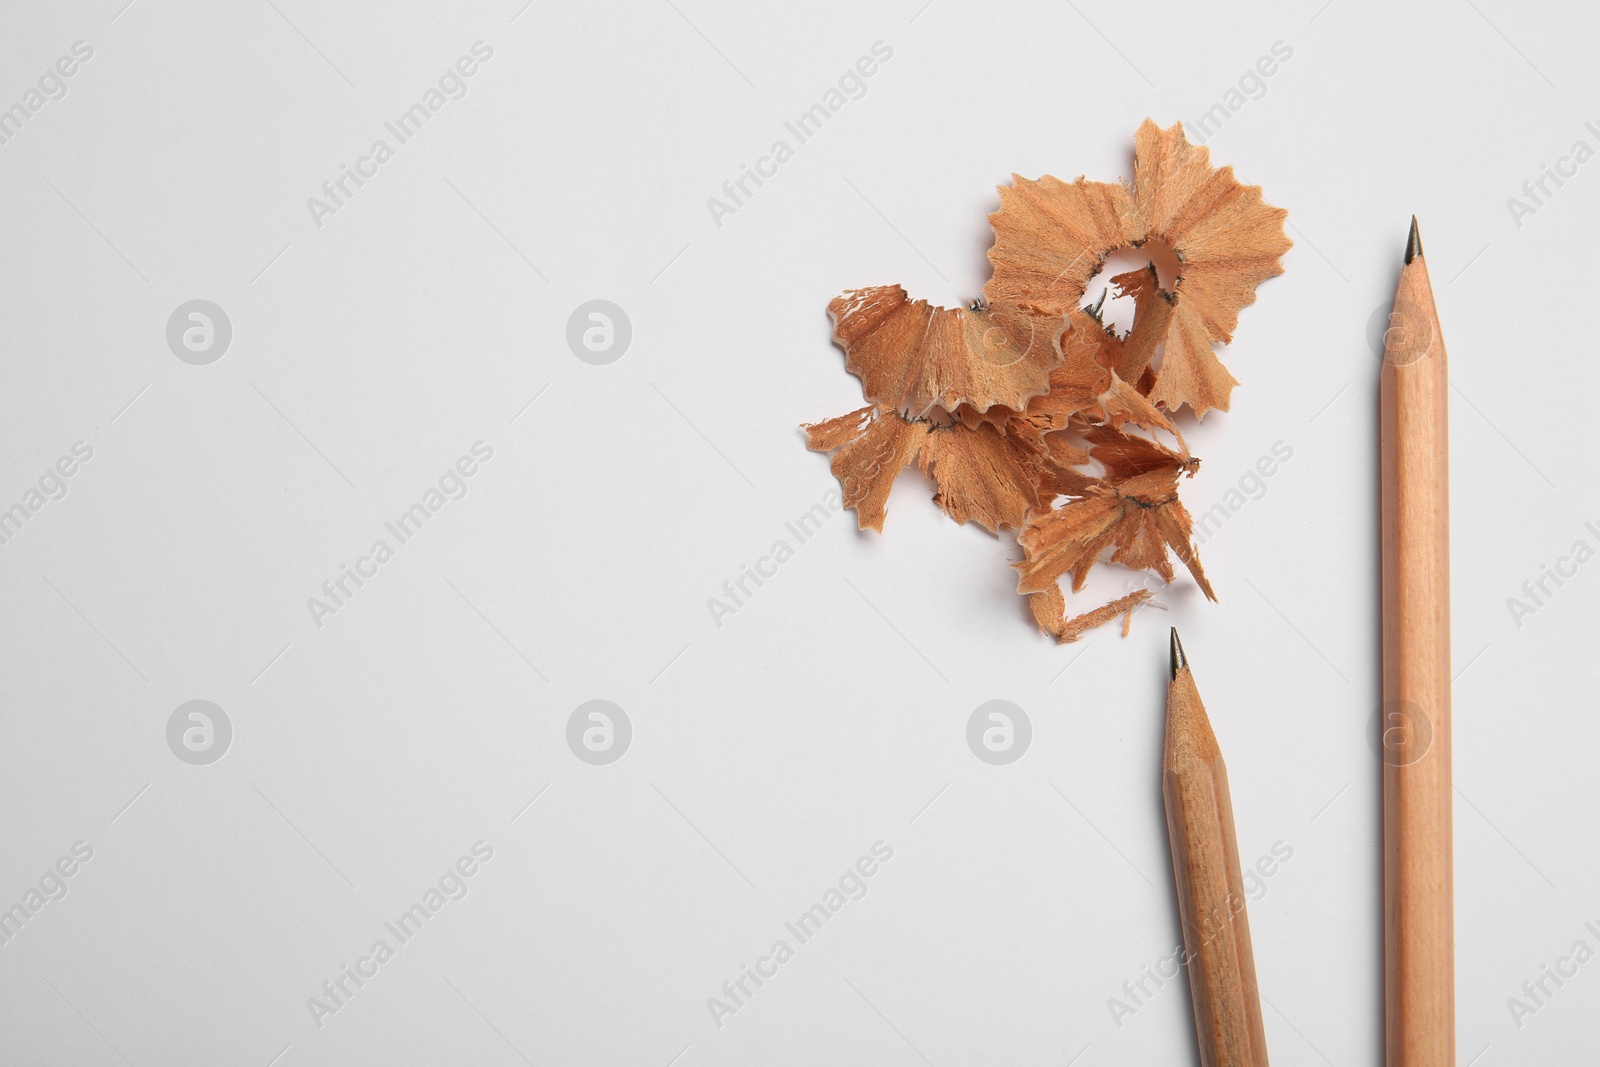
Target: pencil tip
point(1179, 660)
point(1413, 243)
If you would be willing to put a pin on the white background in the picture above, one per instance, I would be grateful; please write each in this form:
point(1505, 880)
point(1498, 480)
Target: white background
point(830, 711)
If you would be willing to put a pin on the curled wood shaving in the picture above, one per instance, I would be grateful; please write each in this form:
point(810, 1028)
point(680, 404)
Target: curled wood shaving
point(1134, 510)
point(981, 473)
point(1051, 238)
point(1084, 390)
point(872, 448)
point(914, 357)
point(1087, 387)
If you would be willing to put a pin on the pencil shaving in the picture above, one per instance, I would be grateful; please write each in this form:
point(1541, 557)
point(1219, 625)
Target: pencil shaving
point(981, 474)
point(1051, 238)
point(1086, 388)
point(871, 449)
point(1134, 510)
point(913, 357)
point(996, 402)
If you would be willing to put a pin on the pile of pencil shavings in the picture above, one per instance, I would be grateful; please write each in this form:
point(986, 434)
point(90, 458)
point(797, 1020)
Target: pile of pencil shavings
point(1011, 403)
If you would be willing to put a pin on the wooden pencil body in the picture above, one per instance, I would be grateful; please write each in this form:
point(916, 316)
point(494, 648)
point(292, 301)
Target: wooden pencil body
point(1211, 893)
point(1418, 898)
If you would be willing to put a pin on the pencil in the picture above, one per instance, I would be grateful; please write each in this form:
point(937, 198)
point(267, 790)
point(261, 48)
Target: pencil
point(1211, 896)
point(1418, 899)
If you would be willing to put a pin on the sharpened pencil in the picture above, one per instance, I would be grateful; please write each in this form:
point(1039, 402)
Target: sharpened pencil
point(1418, 892)
point(1211, 893)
